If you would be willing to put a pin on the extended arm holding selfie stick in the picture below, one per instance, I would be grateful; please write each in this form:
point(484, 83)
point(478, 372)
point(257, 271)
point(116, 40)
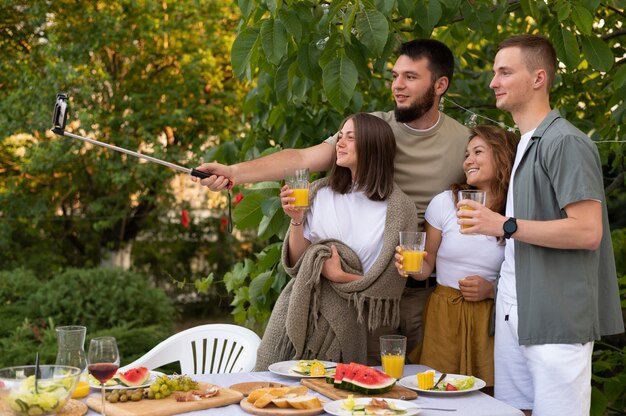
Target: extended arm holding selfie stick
point(58, 122)
point(58, 127)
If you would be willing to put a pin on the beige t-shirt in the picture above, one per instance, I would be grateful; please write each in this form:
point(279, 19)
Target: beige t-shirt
point(427, 161)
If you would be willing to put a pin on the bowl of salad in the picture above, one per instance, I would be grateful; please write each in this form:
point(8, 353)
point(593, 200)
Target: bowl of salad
point(21, 394)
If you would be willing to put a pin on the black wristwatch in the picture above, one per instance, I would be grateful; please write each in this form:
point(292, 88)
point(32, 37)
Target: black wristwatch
point(509, 226)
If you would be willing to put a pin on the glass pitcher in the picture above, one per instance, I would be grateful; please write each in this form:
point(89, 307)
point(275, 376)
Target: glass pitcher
point(71, 352)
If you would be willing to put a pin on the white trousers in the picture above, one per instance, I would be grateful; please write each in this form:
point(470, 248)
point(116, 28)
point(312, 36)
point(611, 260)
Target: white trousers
point(550, 379)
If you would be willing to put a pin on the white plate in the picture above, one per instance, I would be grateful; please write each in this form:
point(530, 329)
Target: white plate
point(153, 376)
point(410, 382)
point(334, 408)
point(284, 368)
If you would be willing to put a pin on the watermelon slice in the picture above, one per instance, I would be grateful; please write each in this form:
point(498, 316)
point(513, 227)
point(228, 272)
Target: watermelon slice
point(372, 381)
point(134, 377)
point(362, 379)
point(340, 373)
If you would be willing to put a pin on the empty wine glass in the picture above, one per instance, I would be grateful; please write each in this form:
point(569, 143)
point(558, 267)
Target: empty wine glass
point(104, 360)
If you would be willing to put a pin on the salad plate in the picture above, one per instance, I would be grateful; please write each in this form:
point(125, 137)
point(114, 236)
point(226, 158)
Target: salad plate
point(410, 382)
point(112, 384)
point(344, 407)
point(287, 368)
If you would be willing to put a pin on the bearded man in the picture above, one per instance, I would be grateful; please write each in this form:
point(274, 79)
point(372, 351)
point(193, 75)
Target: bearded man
point(430, 152)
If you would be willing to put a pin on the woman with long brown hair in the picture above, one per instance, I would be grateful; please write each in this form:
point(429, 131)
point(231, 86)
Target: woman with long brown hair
point(344, 292)
point(457, 336)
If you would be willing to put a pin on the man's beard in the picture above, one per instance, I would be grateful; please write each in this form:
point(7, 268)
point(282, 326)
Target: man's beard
point(417, 108)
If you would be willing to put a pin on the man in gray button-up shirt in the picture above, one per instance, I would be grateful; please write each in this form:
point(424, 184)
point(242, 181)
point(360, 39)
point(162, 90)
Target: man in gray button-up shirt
point(558, 288)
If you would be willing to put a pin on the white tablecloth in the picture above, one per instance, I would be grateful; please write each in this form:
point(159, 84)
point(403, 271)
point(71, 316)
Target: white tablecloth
point(474, 403)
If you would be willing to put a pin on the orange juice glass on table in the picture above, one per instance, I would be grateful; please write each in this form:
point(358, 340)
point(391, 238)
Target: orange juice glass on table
point(392, 353)
point(473, 195)
point(412, 244)
point(298, 182)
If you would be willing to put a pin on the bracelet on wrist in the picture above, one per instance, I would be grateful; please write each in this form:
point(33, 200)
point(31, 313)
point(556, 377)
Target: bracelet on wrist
point(296, 224)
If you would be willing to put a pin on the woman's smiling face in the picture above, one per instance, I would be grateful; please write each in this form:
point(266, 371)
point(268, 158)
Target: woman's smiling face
point(479, 164)
point(346, 147)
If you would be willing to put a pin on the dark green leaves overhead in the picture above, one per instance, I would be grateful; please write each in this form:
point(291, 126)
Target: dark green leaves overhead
point(340, 78)
point(597, 53)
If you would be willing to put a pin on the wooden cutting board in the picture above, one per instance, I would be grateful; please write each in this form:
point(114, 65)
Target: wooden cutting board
point(165, 407)
point(321, 386)
point(273, 410)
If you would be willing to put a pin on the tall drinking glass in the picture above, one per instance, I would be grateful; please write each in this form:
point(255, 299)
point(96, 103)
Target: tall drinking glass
point(412, 244)
point(392, 352)
point(104, 360)
point(473, 195)
point(298, 182)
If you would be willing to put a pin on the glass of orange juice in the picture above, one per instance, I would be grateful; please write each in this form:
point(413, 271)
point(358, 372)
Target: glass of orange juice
point(473, 195)
point(412, 244)
point(298, 182)
point(392, 352)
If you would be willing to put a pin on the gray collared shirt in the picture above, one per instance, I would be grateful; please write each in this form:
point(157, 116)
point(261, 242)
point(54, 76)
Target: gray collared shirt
point(563, 295)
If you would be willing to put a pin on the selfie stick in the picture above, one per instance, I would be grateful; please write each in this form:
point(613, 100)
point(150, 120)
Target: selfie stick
point(58, 122)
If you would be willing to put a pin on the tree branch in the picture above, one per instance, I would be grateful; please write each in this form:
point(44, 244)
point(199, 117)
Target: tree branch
point(617, 183)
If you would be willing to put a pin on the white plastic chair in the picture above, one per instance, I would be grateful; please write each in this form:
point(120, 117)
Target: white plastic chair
point(205, 349)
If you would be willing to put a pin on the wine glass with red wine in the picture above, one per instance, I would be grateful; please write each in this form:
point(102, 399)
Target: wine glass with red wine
point(104, 360)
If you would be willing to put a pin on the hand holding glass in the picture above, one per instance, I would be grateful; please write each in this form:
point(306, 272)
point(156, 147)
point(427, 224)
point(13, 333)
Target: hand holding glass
point(298, 181)
point(473, 195)
point(104, 360)
point(412, 244)
point(392, 352)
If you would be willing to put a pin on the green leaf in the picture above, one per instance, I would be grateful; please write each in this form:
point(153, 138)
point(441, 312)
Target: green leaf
point(272, 219)
point(530, 8)
point(292, 23)
point(259, 287)
point(348, 22)
point(563, 10)
point(599, 402)
point(308, 57)
point(274, 40)
point(583, 20)
point(246, 7)
point(592, 5)
point(620, 77)
point(202, 285)
point(434, 13)
point(248, 213)
point(566, 47)
point(598, 53)
point(405, 7)
point(372, 30)
point(243, 50)
point(281, 81)
point(339, 79)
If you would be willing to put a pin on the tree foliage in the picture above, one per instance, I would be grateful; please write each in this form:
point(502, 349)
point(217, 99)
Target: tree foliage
point(313, 62)
point(148, 76)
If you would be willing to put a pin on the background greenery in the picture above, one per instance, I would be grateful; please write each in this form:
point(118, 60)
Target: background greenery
point(195, 80)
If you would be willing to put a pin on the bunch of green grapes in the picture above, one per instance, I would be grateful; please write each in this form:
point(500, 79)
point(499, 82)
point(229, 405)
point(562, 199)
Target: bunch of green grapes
point(164, 385)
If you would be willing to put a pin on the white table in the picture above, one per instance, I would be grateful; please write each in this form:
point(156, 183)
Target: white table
point(474, 403)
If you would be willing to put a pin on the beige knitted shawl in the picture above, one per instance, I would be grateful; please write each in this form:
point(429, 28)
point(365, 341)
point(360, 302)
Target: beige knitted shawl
point(317, 318)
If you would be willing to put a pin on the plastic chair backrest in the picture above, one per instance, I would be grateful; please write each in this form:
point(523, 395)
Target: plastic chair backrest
point(205, 349)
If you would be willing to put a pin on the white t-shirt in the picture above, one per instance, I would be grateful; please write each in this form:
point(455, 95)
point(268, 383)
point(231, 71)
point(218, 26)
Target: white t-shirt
point(351, 218)
point(461, 255)
point(506, 285)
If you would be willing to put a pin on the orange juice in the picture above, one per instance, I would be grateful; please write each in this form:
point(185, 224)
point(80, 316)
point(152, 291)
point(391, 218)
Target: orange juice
point(82, 389)
point(302, 197)
point(412, 260)
point(463, 226)
point(393, 365)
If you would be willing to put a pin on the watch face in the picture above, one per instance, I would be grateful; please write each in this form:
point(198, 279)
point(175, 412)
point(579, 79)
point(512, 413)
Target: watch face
point(510, 226)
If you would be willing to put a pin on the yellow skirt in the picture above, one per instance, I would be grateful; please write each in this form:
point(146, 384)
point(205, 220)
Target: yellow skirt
point(456, 335)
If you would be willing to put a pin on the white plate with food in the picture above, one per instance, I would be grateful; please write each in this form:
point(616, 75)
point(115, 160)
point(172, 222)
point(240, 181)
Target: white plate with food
point(301, 368)
point(371, 406)
point(114, 384)
point(462, 384)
